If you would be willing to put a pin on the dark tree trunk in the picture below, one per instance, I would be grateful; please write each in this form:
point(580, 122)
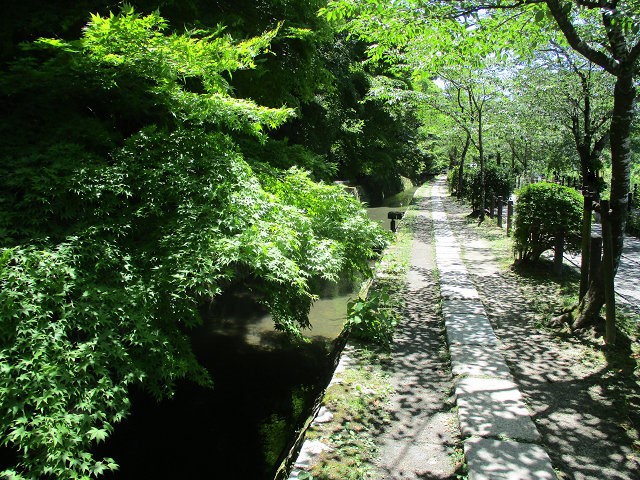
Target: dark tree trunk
point(620, 132)
point(620, 138)
point(483, 187)
point(465, 149)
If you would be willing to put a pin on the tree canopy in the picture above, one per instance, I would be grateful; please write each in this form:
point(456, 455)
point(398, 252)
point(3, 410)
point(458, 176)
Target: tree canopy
point(126, 204)
point(156, 157)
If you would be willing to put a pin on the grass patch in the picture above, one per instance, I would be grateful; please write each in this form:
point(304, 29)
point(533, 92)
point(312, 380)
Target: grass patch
point(357, 401)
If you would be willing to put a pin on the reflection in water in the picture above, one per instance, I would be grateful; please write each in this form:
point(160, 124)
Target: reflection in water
point(327, 318)
point(247, 319)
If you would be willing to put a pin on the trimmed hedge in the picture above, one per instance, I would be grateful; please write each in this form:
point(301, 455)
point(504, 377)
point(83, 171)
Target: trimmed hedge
point(542, 212)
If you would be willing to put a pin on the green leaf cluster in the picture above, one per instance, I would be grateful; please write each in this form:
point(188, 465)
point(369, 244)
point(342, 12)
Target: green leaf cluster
point(498, 180)
point(542, 212)
point(125, 204)
point(373, 319)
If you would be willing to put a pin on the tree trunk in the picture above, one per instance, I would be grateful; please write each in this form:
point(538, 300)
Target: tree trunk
point(619, 137)
point(461, 172)
point(620, 141)
point(483, 187)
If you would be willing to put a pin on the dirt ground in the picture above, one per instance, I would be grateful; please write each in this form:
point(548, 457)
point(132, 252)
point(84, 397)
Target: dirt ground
point(421, 439)
point(587, 413)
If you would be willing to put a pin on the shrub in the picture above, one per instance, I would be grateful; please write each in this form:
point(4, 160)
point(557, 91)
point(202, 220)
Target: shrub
point(633, 224)
point(452, 178)
point(498, 180)
point(373, 319)
point(544, 211)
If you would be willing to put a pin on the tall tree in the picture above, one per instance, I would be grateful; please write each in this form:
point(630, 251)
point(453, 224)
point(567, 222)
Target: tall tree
point(125, 205)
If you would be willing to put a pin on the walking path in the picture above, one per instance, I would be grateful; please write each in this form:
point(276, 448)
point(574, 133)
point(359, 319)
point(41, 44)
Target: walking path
point(454, 392)
point(499, 433)
point(628, 275)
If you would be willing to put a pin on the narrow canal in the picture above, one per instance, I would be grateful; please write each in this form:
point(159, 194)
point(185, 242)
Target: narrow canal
point(264, 386)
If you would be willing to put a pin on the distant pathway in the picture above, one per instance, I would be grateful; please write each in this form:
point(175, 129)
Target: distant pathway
point(476, 385)
point(500, 437)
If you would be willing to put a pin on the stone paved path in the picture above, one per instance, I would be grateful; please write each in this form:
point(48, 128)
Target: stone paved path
point(500, 369)
point(499, 433)
point(424, 430)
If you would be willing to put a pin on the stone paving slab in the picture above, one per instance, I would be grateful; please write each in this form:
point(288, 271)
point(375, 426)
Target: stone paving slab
point(451, 266)
point(498, 460)
point(462, 307)
point(448, 258)
point(413, 461)
point(456, 278)
point(478, 361)
point(489, 402)
point(459, 292)
point(469, 330)
point(490, 407)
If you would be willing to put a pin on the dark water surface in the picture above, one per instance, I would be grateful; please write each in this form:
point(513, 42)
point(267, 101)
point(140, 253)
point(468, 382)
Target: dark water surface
point(260, 379)
point(218, 434)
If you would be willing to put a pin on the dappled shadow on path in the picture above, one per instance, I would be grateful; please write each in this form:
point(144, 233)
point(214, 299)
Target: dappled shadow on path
point(422, 429)
point(575, 400)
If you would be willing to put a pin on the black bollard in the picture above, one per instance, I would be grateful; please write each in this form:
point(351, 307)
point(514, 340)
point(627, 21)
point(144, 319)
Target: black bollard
point(393, 216)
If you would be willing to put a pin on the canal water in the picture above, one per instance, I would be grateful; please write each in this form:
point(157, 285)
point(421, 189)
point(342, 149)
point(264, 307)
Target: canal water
point(264, 388)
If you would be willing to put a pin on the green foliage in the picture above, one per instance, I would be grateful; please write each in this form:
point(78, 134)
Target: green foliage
point(452, 178)
point(274, 154)
point(498, 181)
point(542, 212)
point(124, 205)
point(275, 433)
point(372, 319)
point(357, 401)
point(633, 224)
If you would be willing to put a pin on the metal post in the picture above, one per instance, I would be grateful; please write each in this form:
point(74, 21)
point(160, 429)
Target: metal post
point(509, 216)
point(585, 246)
point(500, 212)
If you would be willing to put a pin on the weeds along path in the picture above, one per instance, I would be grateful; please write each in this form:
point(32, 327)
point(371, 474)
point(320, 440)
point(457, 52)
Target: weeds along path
point(579, 405)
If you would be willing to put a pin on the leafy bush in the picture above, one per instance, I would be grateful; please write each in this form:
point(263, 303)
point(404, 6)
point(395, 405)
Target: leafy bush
point(633, 223)
point(372, 319)
point(542, 212)
point(498, 180)
point(452, 178)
